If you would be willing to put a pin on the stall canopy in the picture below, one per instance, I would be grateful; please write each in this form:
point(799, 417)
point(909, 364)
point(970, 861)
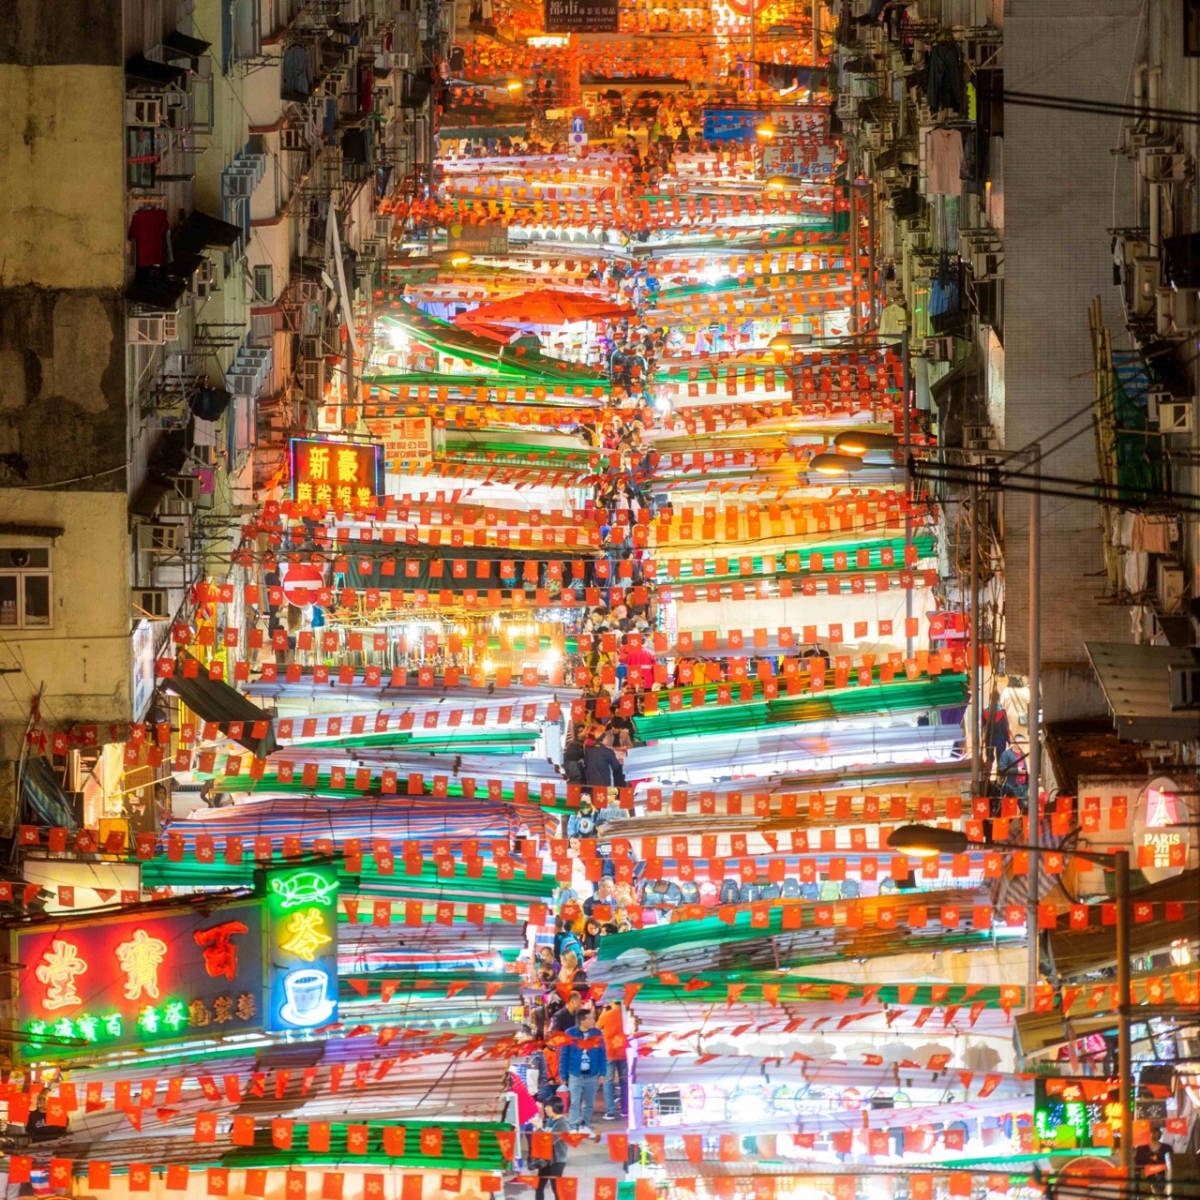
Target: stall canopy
point(215, 700)
point(547, 306)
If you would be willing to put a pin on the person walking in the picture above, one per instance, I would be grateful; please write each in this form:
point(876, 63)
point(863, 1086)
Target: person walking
point(555, 1123)
point(616, 1075)
point(585, 1064)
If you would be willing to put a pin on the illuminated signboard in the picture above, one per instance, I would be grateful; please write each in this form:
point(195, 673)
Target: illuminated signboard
point(1161, 842)
point(141, 977)
point(301, 906)
point(332, 474)
point(1076, 1113)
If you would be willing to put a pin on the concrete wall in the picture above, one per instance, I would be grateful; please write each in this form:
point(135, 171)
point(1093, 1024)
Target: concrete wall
point(62, 243)
point(83, 661)
point(1059, 203)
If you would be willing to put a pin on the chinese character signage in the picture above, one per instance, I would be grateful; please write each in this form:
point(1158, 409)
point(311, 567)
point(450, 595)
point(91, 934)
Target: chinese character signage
point(1076, 1113)
point(141, 977)
point(485, 238)
point(301, 905)
point(332, 474)
point(581, 16)
point(404, 439)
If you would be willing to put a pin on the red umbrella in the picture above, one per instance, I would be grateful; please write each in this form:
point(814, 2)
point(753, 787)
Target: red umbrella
point(546, 307)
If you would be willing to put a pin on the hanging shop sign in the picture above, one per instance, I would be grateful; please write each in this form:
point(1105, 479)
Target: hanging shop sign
point(582, 16)
point(1160, 842)
point(1076, 1113)
point(142, 977)
point(336, 472)
point(731, 124)
point(488, 238)
point(302, 946)
point(406, 441)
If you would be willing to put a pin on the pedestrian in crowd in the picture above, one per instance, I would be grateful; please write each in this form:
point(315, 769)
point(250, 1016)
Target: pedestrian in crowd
point(584, 1064)
point(551, 1169)
point(616, 1076)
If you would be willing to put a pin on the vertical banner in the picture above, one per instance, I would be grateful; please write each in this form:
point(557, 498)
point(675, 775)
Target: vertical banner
point(302, 946)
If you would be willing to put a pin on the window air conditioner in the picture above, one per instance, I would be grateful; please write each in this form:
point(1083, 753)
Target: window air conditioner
point(312, 380)
point(144, 111)
point(148, 331)
point(311, 348)
point(204, 282)
point(151, 604)
point(1159, 166)
point(187, 487)
point(1147, 272)
point(1185, 687)
point(1170, 586)
point(171, 326)
point(369, 248)
point(160, 539)
point(237, 181)
point(939, 349)
point(1175, 416)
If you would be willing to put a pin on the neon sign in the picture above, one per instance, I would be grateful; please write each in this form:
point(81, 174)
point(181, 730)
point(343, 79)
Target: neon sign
point(331, 474)
point(133, 978)
point(302, 935)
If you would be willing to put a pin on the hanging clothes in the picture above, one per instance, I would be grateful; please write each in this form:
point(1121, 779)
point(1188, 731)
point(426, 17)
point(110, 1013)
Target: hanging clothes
point(366, 89)
point(296, 83)
point(945, 88)
point(148, 230)
point(945, 157)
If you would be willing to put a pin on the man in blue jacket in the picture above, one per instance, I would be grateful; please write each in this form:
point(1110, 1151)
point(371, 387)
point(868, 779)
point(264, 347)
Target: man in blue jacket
point(583, 1064)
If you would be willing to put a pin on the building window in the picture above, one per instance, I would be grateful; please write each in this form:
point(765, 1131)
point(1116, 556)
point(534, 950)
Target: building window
point(25, 591)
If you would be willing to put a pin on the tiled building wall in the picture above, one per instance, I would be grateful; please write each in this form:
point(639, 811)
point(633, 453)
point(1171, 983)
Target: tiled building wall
point(1063, 191)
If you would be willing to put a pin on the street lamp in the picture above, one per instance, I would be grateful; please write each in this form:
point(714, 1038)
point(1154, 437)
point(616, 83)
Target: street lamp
point(855, 441)
point(835, 464)
point(928, 841)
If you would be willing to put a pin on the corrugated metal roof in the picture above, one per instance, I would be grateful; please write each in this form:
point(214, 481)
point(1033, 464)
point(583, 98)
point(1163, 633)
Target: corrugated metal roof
point(1136, 683)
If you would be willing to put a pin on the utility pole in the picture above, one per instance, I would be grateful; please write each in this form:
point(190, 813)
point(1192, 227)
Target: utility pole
point(1033, 806)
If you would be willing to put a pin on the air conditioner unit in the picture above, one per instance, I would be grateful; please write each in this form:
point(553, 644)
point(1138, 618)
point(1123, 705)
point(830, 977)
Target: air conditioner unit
point(369, 248)
point(1176, 416)
point(187, 487)
point(1185, 687)
point(1160, 166)
point(238, 181)
point(382, 224)
point(312, 347)
point(160, 539)
point(987, 264)
point(204, 282)
point(151, 604)
point(178, 117)
point(312, 380)
point(939, 349)
point(977, 438)
point(144, 111)
point(243, 383)
point(171, 326)
point(1170, 586)
point(148, 331)
point(1147, 280)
